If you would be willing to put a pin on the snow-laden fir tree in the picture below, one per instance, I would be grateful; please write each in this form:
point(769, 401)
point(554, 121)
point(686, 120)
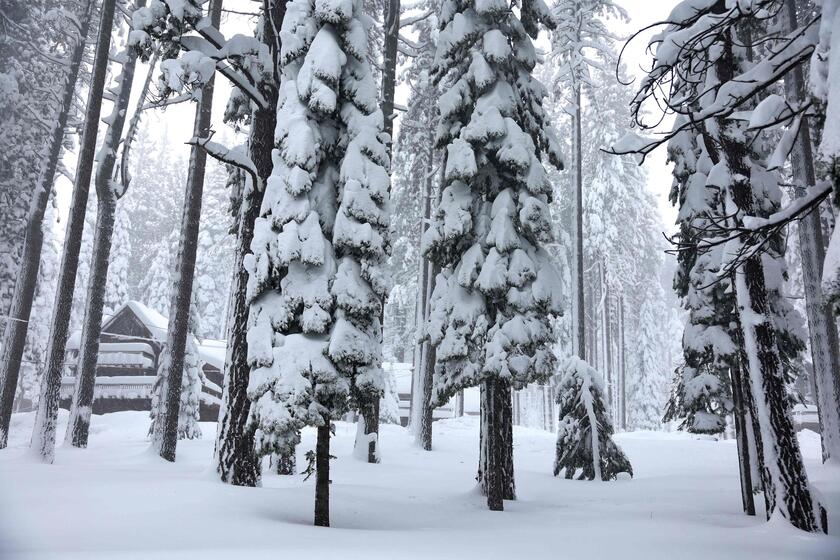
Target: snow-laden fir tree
point(701, 396)
point(117, 290)
point(156, 284)
point(39, 323)
point(648, 381)
point(413, 171)
point(192, 381)
point(316, 276)
point(581, 450)
point(498, 291)
point(716, 58)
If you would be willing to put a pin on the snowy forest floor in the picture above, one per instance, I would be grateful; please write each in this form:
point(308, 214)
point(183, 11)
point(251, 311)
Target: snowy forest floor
point(117, 500)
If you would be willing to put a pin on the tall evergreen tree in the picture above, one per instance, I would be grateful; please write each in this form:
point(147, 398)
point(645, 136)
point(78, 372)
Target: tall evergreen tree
point(316, 277)
point(30, 148)
point(493, 302)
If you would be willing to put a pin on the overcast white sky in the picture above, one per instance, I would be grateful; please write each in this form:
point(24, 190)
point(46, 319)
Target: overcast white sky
point(177, 120)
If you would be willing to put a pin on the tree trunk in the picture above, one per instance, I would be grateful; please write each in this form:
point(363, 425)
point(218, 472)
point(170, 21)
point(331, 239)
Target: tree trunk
point(427, 412)
point(609, 372)
point(80, 410)
point(579, 326)
point(236, 461)
point(391, 28)
point(786, 483)
point(741, 430)
point(822, 328)
point(622, 371)
point(423, 352)
point(491, 462)
point(369, 414)
point(17, 324)
point(322, 477)
point(43, 435)
point(165, 438)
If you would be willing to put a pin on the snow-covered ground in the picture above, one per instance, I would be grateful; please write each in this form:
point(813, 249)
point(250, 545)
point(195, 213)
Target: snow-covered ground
point(116, 500)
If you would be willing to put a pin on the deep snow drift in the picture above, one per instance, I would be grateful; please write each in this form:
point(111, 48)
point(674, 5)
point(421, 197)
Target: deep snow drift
point(117, 500)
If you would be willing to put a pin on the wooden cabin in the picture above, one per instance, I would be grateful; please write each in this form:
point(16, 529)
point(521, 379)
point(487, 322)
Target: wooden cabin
point(129, 353)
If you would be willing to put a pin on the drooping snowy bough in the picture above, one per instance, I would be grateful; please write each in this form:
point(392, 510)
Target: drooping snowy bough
point(584, 433)
point(498, 291)
point(316, 278)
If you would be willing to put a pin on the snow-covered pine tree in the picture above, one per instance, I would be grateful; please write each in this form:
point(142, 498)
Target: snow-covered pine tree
point(39, 327)
point(580, 32)
point(43, 434)
point(701, 396)
point(647, 388)
point(824, 77)
point(29, 155)
point(414, 174)
point(732, 80)
point(316, 277)
point(192, 380)
point(117, 290)
point(498, 291)
point(156, 285)
point(580, 400)
point(108, 192)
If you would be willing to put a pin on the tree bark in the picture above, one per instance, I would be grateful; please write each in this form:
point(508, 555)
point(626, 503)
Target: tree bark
point(165, 438)
point(78, 426)
point(43, 435)
point(322, 477)
point(236, 461)
point(17, 324)
point(427, 413)
point(491, 462)
point(786, 483)
point(370, 416)
point(741, 430)
point(822, 327)
point(391, 28)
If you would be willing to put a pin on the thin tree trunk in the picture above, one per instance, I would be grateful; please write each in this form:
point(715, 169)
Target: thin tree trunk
point(391, 28)
point(622, 404)
point(369, 414)
point(80, 409)
point(236, 461)
point(608, 365)
point(17, 324)
point(741, 430)
point(822, 328)
point(322, 477)
point(427, 417)
point(424, 356)
point(786, 483)
point(43, 435)
point(165, 438)
point(579, 328)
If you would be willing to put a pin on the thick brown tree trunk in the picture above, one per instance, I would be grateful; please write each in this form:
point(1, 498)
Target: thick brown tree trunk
point(17, 324)
point(79, 425)
point(43, 434)
point(322, 477)
point(165, 438)
point(236, 461)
